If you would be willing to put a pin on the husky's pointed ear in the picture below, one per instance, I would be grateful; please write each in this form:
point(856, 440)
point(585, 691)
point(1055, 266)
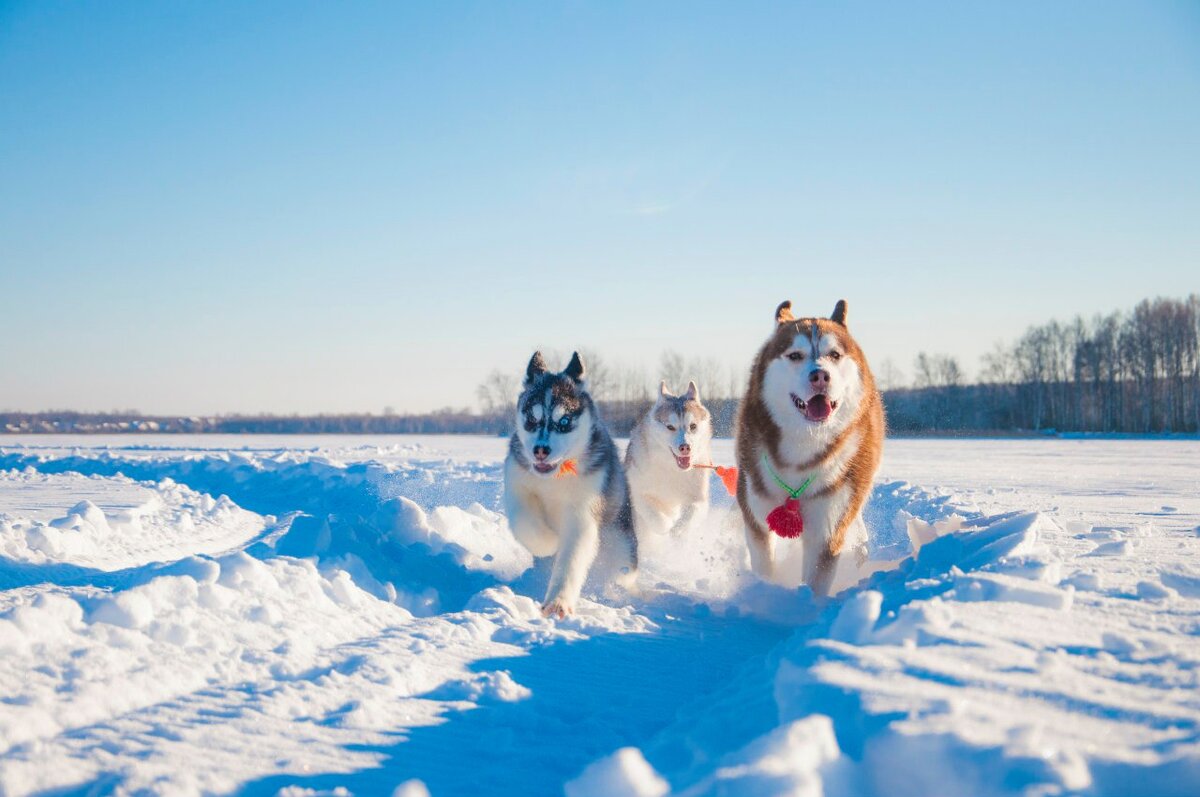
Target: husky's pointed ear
point(575, 368)
point(783, 313)
point(839, 313)
point(536, 367)
point(663, 392)
point(693, 392)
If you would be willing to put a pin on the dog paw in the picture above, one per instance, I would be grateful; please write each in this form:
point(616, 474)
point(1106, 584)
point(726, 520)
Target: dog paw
point(558, 607)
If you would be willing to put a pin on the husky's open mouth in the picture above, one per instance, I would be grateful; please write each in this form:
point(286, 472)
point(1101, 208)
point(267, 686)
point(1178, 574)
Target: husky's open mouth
point(545, 467)
point(817, 409)
point(683, 462)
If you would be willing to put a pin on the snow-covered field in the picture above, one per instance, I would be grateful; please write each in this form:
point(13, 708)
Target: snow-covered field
point(187, 615)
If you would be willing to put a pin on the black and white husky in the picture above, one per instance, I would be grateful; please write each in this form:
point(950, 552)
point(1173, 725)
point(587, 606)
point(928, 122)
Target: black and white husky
point(668, 491)
point(564, 487)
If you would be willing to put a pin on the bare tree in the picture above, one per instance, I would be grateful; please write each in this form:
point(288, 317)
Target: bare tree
point(497, 392)
point(949, 373)
point(737, 381)
point(706, 372)
point(601, 379)
point(998, 367)
point(889, 376)
point(672, 368)
point(633, 385)
point(924, 370)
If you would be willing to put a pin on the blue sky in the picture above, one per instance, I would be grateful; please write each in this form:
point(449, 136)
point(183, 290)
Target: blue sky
point(297, 207)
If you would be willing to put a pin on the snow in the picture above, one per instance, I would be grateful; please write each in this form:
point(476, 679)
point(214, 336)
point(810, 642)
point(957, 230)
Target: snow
point(329, 615)
point(624, 772)
point(53, 522)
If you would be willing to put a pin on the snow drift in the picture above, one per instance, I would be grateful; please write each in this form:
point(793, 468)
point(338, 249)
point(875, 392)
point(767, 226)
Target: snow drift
point(175, 619)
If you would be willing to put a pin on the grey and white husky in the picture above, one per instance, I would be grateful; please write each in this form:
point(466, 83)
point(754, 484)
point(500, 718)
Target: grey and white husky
point(564, 488)
point(668, 491)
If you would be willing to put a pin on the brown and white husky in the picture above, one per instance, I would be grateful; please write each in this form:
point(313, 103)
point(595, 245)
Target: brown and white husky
point(811, 414)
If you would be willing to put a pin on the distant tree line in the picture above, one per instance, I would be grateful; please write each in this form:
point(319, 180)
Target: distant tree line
point(1130, 372)
point(1126, 372)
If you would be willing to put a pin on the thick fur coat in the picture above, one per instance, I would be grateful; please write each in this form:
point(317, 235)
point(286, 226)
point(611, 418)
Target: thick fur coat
point(811, 410)
point(669, 492)
point(565, 490)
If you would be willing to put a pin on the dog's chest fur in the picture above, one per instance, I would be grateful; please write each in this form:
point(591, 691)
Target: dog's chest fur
point(556, 498)
point(840, 457)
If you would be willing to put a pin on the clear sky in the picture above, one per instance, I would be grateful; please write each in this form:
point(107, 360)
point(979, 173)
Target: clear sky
point(214, 206)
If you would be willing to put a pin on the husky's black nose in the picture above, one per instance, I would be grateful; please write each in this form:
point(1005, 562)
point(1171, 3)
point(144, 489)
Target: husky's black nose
point(685, 449)
point(541, 452)
point(819, 379)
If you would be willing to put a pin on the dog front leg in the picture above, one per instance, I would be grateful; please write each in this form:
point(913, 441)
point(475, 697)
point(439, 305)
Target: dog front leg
point(825, 540)
point(577, 551)
point(762, 550)
point(759, 540)
point(687, 517)
point(648, 517)
point(820, 559)
point(819, 576)
point(527, 523)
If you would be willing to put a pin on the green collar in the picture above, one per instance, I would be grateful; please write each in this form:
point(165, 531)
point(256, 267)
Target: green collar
point(779, 480)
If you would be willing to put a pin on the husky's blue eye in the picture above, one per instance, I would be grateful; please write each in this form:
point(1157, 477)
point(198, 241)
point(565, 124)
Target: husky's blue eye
point(564, 423)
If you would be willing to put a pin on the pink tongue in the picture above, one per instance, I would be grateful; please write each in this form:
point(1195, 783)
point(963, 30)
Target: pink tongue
point(818, 408)
point(683, 462)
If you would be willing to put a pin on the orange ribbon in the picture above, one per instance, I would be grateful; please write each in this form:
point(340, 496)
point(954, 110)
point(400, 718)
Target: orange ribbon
point(728, 476)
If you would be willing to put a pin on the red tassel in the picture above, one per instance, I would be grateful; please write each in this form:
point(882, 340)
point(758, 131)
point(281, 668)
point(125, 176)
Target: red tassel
point(786, 520)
